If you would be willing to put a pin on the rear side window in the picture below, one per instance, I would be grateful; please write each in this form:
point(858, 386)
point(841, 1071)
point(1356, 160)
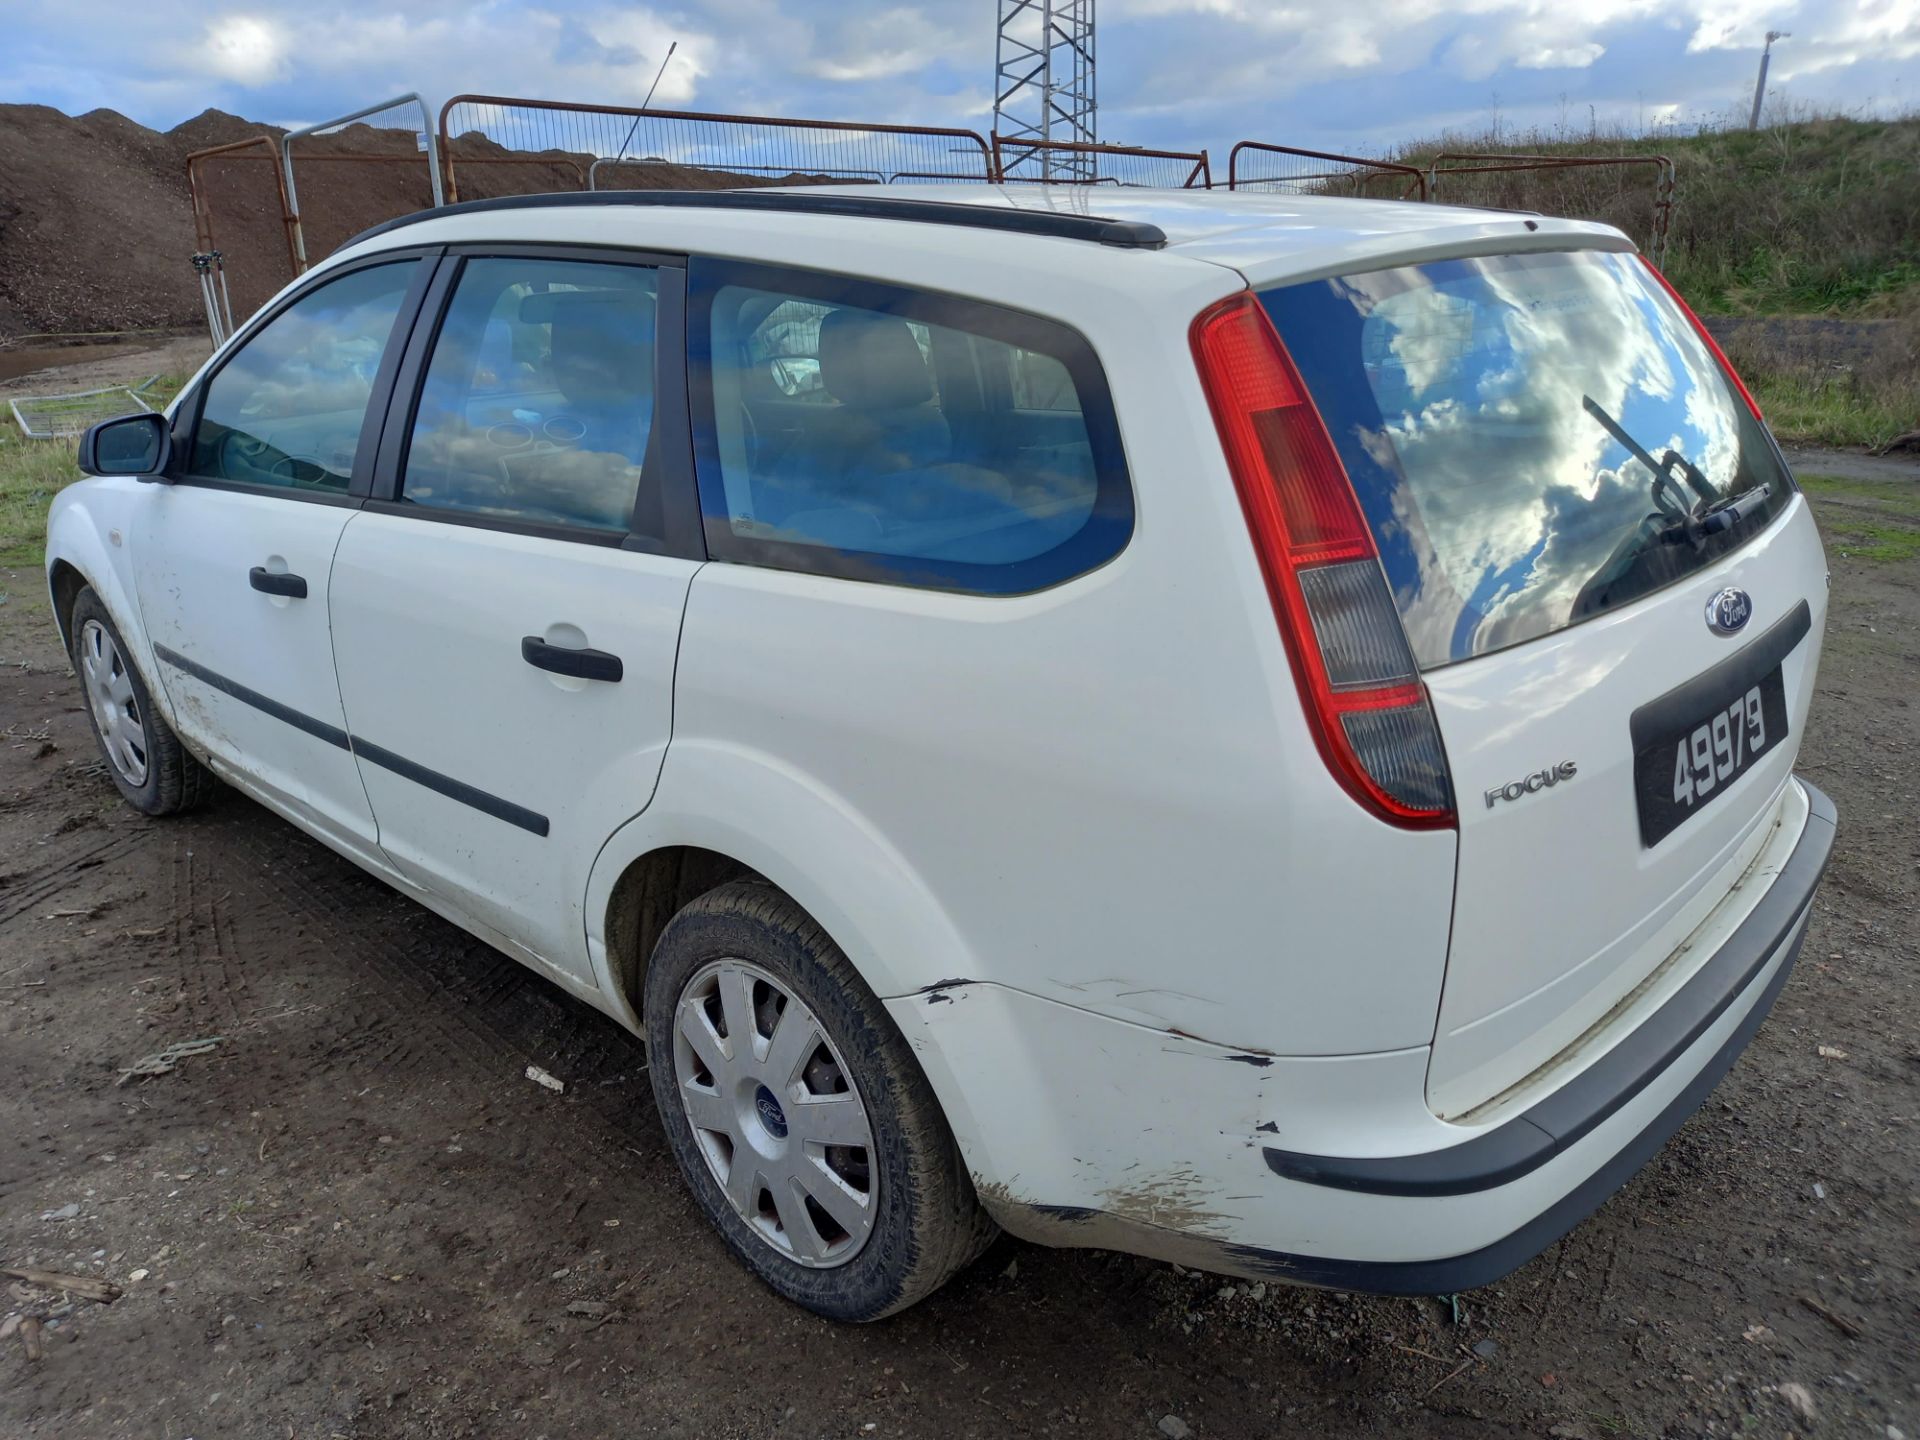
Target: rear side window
point(1535, 439)
point(878, 433)
point(538, 400)
point(286, 410)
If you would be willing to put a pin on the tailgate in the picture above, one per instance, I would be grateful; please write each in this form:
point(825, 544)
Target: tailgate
point(1613, 594)
point(1561, 907)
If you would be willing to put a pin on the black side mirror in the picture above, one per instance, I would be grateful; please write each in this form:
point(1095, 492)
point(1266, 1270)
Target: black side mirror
point(130, 445)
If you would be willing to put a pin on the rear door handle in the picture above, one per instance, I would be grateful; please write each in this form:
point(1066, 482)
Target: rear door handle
point(294, 586)
point(581, 664)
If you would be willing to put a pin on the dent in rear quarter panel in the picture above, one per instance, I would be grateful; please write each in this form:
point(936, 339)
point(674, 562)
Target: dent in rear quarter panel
point(82, 525)
point(1104, 793)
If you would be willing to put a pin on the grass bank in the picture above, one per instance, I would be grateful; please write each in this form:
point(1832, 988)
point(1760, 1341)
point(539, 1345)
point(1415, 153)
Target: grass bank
point(1815, 215)
point(32, 472)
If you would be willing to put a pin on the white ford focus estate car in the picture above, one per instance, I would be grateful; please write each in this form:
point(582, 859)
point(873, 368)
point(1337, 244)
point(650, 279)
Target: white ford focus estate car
point(1256, 731)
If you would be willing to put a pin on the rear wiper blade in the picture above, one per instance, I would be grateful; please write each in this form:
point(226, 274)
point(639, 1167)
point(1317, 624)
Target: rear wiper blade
point(1735, 508)
point(1662, 468)
point(1687, 519)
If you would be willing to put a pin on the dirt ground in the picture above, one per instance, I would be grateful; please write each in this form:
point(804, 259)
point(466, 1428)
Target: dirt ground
point(355, 1217)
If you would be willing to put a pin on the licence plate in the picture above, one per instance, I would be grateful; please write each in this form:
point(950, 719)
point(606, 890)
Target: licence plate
point(1688, 766)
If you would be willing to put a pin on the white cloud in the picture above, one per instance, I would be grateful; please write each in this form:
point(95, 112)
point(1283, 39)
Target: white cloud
point(1337, 74)
point(1560, 57)
point(248, 50)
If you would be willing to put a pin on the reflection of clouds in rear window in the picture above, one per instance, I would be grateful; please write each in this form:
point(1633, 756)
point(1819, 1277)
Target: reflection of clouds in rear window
point(1469, 440)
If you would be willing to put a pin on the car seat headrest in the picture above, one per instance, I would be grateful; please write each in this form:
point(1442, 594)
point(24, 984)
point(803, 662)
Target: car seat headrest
point(872, 362)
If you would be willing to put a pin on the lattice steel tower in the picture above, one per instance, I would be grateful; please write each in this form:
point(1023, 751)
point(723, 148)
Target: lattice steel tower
point(1043, 86)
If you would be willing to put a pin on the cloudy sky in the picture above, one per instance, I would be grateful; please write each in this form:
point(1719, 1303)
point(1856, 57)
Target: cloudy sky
point(1326, 73)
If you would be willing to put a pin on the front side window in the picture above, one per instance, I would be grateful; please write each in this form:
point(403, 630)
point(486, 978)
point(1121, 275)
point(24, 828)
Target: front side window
point(538, 400)
point(878, 433)
point(1535, 439)
point(287, 409)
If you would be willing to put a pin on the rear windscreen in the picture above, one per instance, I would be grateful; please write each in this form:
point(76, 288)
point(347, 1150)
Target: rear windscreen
point(1535, 438)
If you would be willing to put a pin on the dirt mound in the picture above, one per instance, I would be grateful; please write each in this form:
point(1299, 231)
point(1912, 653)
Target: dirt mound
point(215, 127)
point(96, 221)
point(94, 224)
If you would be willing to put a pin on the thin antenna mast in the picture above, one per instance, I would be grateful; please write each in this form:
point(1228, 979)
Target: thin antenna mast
point(646, 102)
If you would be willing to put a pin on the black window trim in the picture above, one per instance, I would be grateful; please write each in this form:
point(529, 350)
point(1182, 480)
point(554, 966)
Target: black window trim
point(1102, 539)
point(669, 443)
point(187, 414)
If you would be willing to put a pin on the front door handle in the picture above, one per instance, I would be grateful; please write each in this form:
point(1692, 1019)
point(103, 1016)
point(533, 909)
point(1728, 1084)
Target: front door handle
point(580, 664)
point(263, 579)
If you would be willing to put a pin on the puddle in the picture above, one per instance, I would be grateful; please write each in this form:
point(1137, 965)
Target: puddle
point(29, 358)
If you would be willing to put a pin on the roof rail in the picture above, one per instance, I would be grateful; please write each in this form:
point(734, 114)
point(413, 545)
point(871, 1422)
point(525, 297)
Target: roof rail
point(1122, 234)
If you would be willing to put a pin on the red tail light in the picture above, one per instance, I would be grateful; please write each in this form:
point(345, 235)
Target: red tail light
point(1365, 702)
point(1706, 337)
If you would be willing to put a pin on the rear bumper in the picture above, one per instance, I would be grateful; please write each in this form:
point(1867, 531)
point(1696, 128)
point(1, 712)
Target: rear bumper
point(1529, 1140)
point(1432, 1221)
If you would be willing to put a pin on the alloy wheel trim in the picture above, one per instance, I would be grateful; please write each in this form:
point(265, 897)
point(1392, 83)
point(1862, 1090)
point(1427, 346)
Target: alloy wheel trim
point(769, 1140)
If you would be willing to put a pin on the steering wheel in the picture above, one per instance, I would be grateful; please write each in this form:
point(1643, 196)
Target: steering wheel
point(300, 469)
point(241, 451)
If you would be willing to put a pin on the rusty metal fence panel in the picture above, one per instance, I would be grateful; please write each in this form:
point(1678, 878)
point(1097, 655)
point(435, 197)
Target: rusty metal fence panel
point(56, 417)
point(680, 149)
point(241, 183)
point(1256, 165)
point(1016, 158)
point(1518, 194)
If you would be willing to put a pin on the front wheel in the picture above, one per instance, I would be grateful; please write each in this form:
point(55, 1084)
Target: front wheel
point(800, 1120)
point(149, 765)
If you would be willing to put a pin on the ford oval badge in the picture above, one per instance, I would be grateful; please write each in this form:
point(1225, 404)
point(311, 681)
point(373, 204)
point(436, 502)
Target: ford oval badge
point(1729, 611)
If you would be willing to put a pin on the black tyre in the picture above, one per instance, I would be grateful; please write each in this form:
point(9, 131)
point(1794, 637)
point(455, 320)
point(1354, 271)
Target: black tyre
point(145, 758)
point(798, 1115)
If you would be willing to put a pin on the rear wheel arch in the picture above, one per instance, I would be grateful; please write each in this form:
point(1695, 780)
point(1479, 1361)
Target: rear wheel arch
point(780, 825)
point(651, 890)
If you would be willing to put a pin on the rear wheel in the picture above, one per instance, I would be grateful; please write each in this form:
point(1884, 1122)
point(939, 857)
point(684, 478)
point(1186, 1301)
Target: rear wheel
point(145, 758)
point(800, 1120)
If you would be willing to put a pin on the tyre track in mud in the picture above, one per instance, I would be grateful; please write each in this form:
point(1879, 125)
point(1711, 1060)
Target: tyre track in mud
point(321, 969)
point(22, 890)
point(248, 915)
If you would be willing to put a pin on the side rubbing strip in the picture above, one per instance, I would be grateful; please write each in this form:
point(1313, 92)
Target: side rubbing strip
point(446, 785)
point(453, 789)
point(300, 720)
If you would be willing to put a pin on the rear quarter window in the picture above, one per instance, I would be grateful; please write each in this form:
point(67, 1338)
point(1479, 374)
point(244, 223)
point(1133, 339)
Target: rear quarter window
point(874, 432)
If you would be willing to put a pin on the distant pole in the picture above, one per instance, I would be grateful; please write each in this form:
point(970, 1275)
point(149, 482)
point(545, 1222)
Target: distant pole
point(1760, 85)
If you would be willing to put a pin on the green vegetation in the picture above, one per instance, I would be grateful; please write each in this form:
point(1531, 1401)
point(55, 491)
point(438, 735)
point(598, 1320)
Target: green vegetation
point(1819, 215)
point(1806, 407)
point(1876, 520)
point(32, 472)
